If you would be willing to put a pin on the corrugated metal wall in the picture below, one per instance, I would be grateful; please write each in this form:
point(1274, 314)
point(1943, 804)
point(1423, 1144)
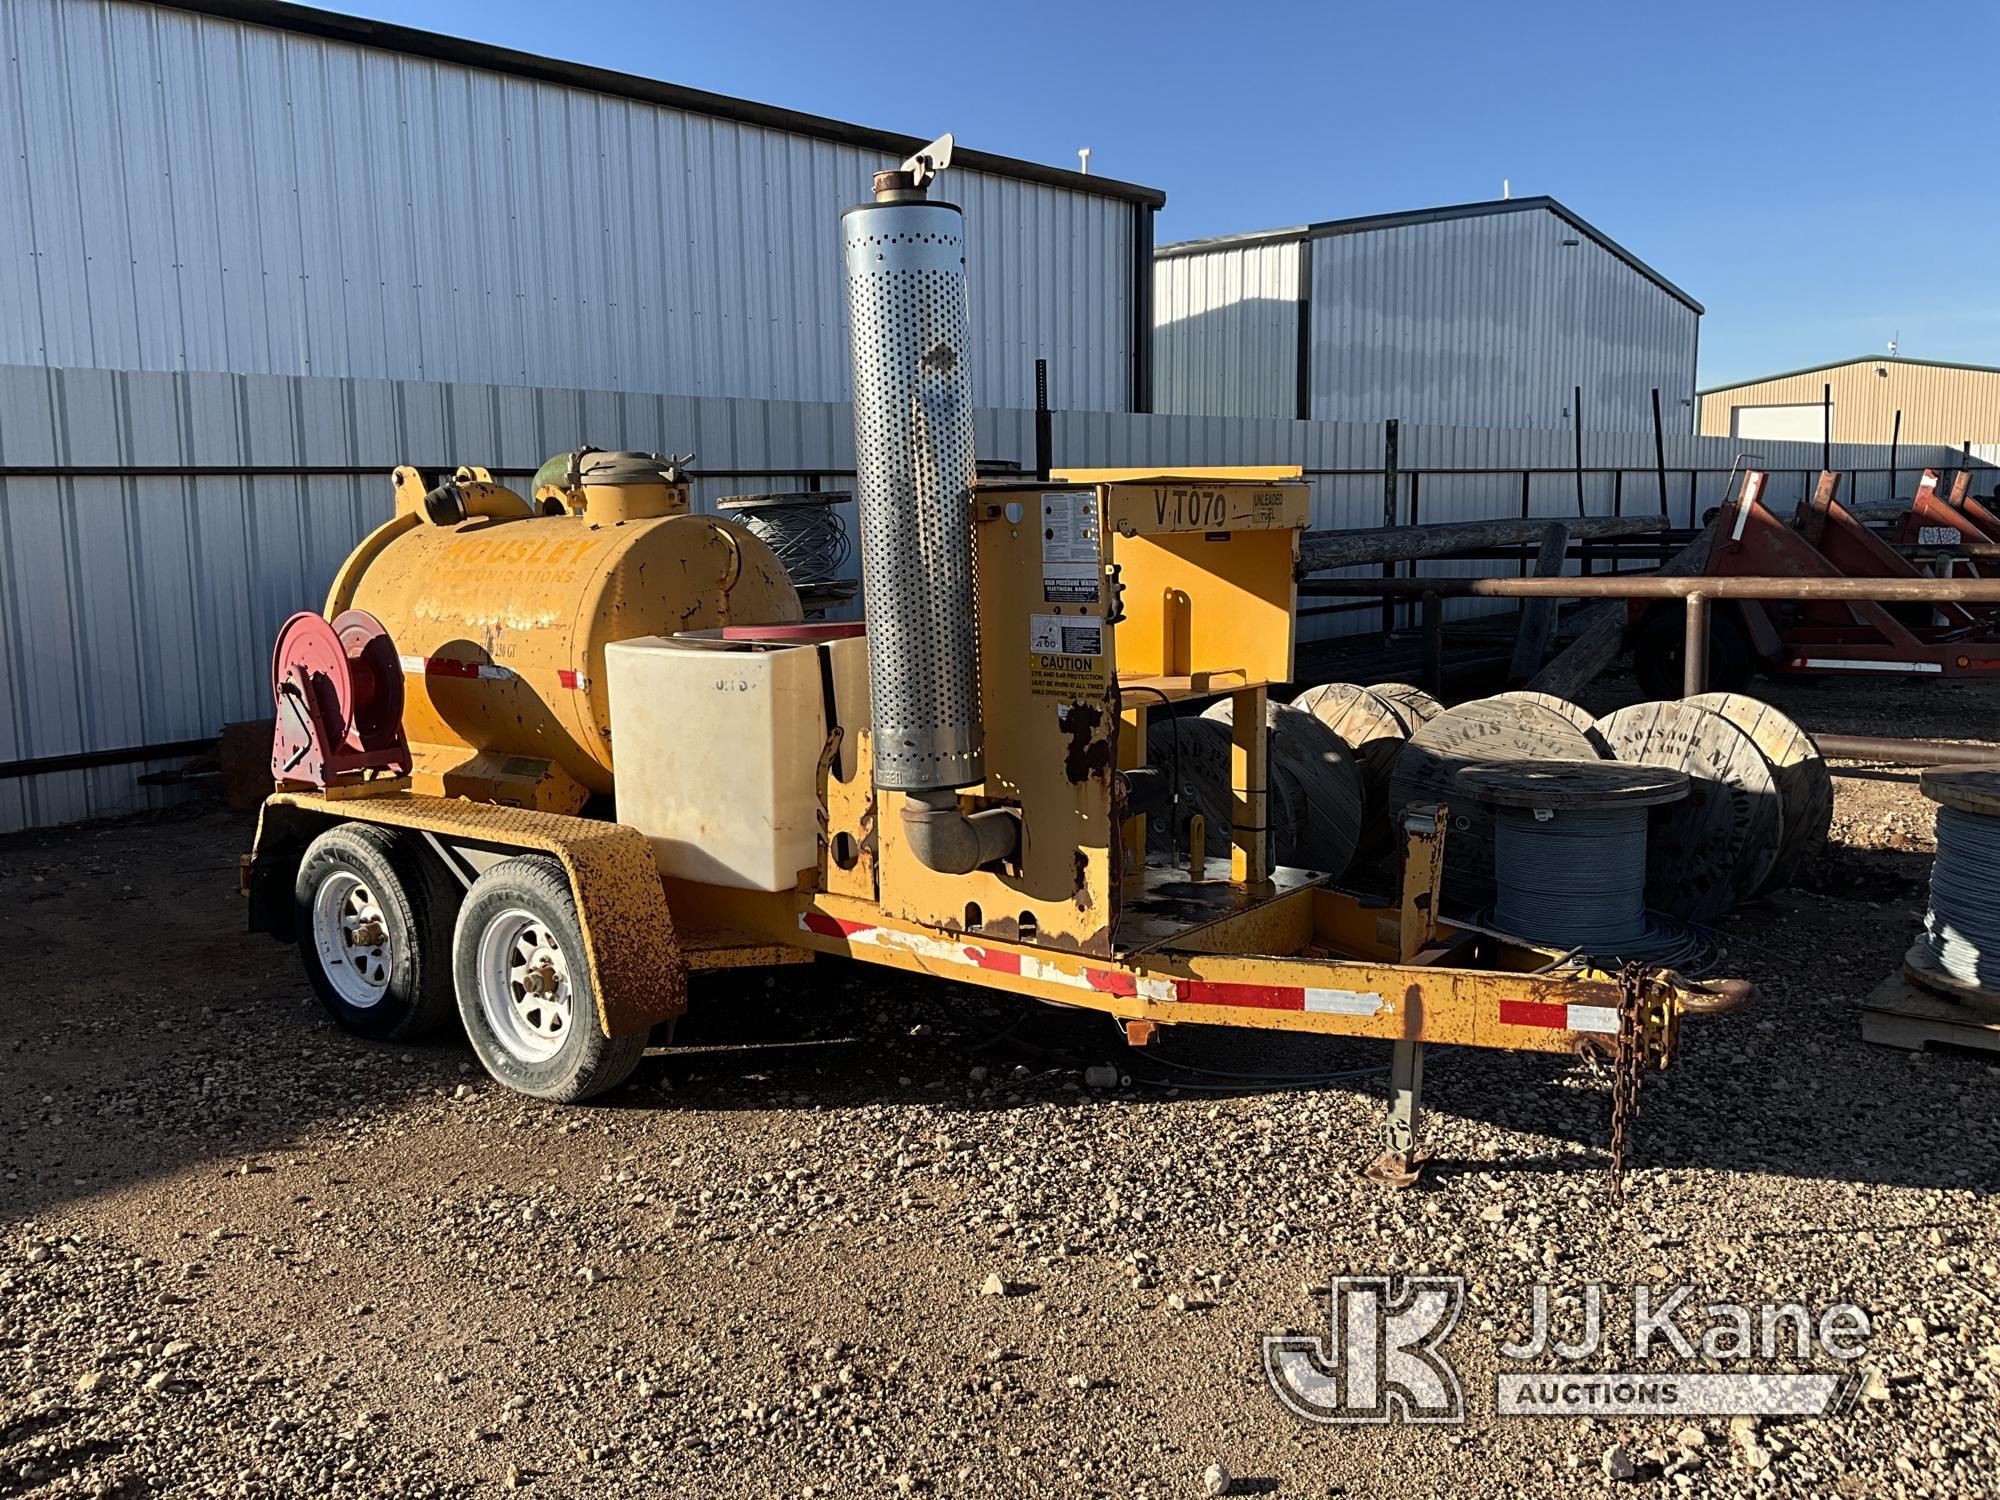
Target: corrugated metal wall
point(1939, 403)
point(1486, 320)
point(1226, 332)
point(189, 193)
point(141, 610)
point(1491, 321)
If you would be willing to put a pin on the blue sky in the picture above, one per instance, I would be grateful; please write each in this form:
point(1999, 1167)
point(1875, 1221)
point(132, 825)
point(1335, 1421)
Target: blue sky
point(1820, 176)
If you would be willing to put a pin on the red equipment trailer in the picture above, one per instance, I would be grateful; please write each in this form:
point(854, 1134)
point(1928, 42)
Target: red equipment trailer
point(1812, 638)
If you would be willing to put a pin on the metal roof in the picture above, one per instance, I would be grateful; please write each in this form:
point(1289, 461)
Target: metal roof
point(1328, 228)
point(360, 31)
point(1841, 364)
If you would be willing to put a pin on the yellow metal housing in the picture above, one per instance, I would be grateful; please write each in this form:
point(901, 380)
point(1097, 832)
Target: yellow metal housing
point(502, 620)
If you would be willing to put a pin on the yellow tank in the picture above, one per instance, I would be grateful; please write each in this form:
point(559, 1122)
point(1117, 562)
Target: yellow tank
point(501, 610)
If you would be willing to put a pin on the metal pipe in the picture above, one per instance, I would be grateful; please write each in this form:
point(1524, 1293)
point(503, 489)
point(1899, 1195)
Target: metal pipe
point(1694, 649)
point(1659, 451)
point(1044, 433)
point(1576, 411)
point(1433, 669)
point(1653, 586)
point(952, 842)
point(1907, 752)
point(1391, 430)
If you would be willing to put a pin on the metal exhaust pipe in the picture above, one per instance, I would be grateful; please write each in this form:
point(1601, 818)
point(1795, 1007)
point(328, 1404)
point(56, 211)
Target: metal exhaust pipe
point(914, 472)
point(913, 457)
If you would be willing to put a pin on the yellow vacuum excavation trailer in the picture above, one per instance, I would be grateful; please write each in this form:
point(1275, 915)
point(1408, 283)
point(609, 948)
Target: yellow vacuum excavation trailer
point(620, 756)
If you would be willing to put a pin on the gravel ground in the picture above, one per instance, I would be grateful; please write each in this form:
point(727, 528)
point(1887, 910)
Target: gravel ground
point(242, 1254)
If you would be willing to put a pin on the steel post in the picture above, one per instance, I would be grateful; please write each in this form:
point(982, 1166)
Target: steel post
point(1398, 1165)
point(1433, 670)
point(1694, 648)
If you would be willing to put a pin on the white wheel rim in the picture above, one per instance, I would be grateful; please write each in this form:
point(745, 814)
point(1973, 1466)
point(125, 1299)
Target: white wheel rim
point(524, 985)
point(352, 938)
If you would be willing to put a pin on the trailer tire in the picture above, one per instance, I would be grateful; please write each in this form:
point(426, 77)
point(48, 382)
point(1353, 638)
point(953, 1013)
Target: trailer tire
point(354, 877)
point(524, 990)
point(1659, 646)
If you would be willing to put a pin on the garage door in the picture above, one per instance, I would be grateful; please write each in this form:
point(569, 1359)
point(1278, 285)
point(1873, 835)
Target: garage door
point(1779, 424)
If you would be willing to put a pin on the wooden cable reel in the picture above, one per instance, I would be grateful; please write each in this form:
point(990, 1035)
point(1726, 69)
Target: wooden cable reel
point(1804, 784)
point(1582, 718)
point(1476, 733)
point(1319, 784)
point(1417, 706)
point(1195, 754)
point(1718, 846)
point(1374, 729)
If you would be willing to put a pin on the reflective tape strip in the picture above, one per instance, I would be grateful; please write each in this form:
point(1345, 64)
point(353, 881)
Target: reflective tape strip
point(1832, 664)
point(444, 666)
point(1344, 1002)
point(1558, 1017)
point(1121, 983)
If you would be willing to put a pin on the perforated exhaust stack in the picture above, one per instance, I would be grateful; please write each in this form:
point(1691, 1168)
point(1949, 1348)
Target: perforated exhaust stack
point(913, 448)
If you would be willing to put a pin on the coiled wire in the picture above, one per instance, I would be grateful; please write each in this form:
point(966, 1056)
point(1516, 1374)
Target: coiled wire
point(1962, 925)
point(803, 529)
point(1575, 878)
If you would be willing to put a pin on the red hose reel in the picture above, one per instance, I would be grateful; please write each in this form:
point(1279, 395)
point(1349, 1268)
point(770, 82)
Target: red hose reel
point(339, 692)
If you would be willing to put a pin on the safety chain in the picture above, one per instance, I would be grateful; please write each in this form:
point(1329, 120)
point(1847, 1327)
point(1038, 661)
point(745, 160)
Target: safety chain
point(1628, 1066)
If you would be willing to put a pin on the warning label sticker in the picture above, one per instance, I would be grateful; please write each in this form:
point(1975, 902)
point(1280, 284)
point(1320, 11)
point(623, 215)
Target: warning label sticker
point(1070, 557)
point(1066, 656)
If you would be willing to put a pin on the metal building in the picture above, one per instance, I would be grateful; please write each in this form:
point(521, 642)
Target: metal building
point(259, 188)
point(1939, 403)
point(1480, 315)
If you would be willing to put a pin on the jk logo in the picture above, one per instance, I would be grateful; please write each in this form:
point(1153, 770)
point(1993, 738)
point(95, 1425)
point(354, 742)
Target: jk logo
point(1379, 1361)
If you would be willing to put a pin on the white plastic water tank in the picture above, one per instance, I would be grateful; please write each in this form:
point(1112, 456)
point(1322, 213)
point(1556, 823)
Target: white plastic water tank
point(717, 744)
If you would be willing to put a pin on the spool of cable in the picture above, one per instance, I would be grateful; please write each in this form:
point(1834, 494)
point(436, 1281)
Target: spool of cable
point(1477, 733)
point(802, 528)
point(1322, 786)
point(1374, 730)
point(1197, 753)
point(1805, 787)
point(1582, 718)
point(1569, 855)
point(1716, 849)
point(1416, 705)
point(1958, 952)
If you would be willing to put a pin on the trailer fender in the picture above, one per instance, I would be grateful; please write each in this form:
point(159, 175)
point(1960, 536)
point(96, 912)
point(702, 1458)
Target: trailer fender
point(637, 969)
